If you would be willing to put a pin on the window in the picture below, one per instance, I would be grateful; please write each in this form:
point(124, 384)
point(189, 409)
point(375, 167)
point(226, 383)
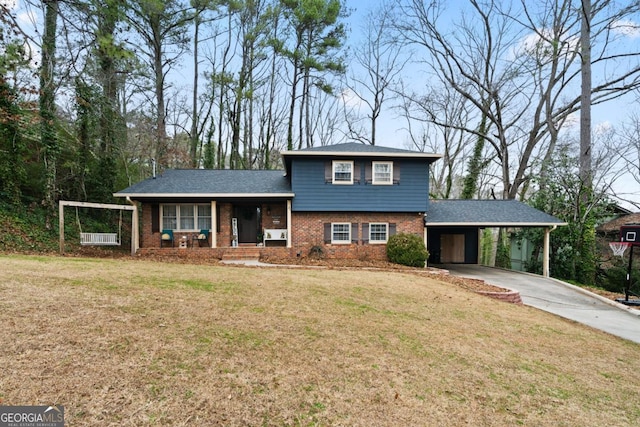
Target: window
point(378, 232)
point(382, 173)
point(186, 217)
point(340, 232)
point(204, 217)
point(169, 217)
point(342, 172)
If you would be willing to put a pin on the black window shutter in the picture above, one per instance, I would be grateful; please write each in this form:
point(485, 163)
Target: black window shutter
point(365, 232)
point(327, 232)
point(155, 218)
point(396, 173)
point(328, 172)
point(368, 173)
point(354, 232)
point(356, 173)
point(392, 229)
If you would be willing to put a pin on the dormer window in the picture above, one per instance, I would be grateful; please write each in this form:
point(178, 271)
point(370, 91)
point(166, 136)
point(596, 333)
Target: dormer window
point(342, 172)
point(382, 173)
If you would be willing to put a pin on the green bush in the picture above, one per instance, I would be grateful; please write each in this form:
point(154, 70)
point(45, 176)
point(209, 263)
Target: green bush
point(614, 279)
point(407, 249)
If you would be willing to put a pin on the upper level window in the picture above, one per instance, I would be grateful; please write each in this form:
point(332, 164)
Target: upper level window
point(382, 173)
point(186, 217)
point(342, 172)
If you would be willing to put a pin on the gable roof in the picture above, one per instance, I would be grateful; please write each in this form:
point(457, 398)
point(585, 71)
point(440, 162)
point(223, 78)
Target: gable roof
point(614, 225)
point(355, 149)
point(174, 183)
point(359, 150)
point(487, 213)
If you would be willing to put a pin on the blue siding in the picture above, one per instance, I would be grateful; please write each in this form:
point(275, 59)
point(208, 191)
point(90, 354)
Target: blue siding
point(312, 193)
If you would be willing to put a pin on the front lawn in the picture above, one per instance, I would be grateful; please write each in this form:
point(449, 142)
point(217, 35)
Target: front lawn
point(133, 342)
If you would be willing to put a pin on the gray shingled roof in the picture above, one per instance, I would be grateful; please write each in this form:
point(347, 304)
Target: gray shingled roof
point(207, 182)
point(355, 147)
point(489, 213)
point(358, 149)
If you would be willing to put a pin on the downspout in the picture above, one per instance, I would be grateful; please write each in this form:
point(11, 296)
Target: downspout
point(545, 251)
point(135, 237)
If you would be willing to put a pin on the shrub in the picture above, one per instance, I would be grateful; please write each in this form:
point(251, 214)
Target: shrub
point(614, 279)
point(407, 249)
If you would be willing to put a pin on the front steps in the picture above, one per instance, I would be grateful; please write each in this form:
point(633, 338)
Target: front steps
point(241, 253)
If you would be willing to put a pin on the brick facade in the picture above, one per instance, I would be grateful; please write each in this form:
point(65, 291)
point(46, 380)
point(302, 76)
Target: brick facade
point(307, 232)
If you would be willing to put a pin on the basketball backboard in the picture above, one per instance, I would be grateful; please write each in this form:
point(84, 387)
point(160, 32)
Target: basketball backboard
point(630, 233)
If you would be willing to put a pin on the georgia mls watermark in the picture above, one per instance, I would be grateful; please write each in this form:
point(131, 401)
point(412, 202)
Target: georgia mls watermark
point(32, 416)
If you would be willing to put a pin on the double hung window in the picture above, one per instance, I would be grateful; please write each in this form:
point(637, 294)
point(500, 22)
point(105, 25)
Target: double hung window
point(341, 232)
point(342, 172)
point(382, 173)
point(378, 232)
point(186, 217)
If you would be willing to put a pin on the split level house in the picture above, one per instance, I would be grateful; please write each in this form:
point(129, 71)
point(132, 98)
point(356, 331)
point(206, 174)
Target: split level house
point(341, 201)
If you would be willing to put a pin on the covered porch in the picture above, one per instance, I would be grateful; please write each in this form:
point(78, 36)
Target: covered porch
point(216, 224)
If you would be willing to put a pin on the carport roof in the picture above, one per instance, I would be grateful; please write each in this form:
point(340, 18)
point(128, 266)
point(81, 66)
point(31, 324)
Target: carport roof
point(487, 213)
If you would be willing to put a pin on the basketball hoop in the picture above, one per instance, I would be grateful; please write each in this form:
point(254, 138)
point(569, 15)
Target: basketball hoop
point(618, 248)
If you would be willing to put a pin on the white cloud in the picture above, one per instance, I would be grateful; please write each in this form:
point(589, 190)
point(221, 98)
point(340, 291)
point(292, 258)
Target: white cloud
point(9, 4)
point(539, 45)
point(28, 18)
point(602, 128)
point(626, 27)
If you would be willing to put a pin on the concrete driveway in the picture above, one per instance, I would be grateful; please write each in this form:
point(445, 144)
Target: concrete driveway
point(560, 298)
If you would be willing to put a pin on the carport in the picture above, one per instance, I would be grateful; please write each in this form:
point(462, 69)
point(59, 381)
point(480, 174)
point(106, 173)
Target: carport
point(453, 227)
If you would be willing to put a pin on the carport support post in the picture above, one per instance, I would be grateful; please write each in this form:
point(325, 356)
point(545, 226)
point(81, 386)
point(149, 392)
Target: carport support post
point(545, 253)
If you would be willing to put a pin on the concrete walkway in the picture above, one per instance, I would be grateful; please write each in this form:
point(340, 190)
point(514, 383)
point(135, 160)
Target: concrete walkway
point(560, 298)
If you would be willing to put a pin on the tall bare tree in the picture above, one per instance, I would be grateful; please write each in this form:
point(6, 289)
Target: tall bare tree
point(379, 63)
point(519, 65)
point(451, 141)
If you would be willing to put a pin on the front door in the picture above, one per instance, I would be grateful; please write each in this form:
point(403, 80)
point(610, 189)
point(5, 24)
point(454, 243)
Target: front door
point(247, 223)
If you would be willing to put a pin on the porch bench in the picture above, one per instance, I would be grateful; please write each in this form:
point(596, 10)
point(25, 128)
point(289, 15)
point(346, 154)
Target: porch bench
point(273, 234)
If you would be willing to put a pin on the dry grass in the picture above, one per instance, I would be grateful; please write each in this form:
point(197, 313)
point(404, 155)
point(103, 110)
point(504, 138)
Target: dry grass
point(138, 343)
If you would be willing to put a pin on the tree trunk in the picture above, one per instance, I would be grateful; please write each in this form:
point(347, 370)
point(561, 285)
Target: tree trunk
point(585, 98)
point(48, 135)
point(193, 143)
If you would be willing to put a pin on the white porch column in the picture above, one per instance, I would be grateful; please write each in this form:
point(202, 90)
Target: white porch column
point(288, 223)
point(545, 253)
point(135, 233)
point(214, 224)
